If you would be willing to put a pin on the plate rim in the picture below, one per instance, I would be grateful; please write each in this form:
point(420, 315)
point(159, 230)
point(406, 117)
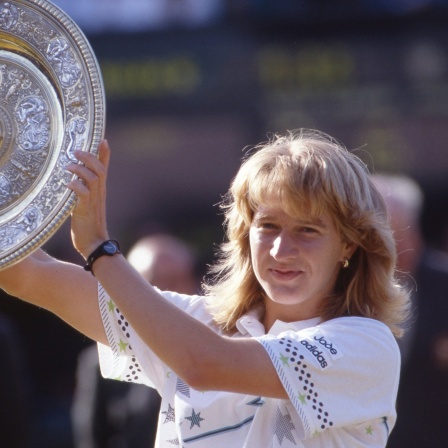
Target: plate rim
point(95, 86)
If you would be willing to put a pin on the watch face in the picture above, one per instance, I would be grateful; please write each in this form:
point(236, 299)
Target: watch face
point(110, 248)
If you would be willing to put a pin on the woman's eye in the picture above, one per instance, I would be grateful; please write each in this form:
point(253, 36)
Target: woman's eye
point(267, 225)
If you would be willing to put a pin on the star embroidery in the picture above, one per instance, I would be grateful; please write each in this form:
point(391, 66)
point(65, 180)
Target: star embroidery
point(284, 360)
point(316, 433)
point(195, 419)
point(110, 305)
point(284, 427)
point(168, 374)
point(369, 430)
point(122, 345)
point(302, 399)
point(169, 415)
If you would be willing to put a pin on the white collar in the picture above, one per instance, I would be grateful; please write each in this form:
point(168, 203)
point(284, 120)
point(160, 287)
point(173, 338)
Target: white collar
point(250, 324)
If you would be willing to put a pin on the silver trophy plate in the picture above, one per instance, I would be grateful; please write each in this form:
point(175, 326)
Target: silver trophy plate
point(52, 103)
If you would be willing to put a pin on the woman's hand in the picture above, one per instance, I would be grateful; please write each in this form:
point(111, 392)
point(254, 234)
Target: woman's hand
point(89, 228)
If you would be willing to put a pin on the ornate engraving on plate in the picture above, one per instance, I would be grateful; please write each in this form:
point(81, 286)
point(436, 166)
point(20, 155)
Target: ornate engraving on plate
point(52, 103)
point(63, 61)
point(33, 116)
point(8, 15)
point(27, 222)
point(29, 116)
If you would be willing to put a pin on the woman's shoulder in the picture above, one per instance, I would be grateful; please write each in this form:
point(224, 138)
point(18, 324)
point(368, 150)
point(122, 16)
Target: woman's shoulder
point(364, 327)
point(350, 335)
point(357, 322)
point(361, 333)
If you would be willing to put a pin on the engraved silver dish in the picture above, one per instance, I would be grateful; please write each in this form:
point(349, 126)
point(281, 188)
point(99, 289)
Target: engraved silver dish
point(52, 102)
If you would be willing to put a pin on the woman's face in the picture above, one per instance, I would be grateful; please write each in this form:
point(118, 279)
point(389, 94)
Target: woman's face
point(295, 259)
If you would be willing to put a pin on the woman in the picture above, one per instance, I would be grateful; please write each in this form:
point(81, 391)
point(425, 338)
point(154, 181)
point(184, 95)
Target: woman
point(293, 344)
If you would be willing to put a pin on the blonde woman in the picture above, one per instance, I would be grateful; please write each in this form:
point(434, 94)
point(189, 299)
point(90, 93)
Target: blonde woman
point(293, 343)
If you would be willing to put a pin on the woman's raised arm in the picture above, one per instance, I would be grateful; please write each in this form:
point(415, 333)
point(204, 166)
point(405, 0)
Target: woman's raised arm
point(63, 288)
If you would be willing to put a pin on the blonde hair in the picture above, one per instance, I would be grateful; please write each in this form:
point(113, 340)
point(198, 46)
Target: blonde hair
point(313, 173)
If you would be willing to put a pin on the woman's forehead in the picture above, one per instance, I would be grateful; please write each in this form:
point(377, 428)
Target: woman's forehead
point(274, 208)
point(297, 203)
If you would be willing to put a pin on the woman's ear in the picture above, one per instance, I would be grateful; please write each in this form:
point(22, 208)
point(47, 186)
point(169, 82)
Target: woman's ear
point(349, 249)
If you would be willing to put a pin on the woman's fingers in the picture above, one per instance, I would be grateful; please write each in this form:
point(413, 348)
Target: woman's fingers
point(92, 170)
point(104, 153)
point(97, 165)
point(89, 183)
point(91, 166)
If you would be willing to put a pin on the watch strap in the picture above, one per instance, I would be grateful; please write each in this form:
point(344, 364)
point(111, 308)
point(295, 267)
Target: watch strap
point(108, 247)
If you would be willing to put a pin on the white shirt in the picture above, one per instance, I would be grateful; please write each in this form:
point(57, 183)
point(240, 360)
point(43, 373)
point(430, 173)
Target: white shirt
point(341, 377)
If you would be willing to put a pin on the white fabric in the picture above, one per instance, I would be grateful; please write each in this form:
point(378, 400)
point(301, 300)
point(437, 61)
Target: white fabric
point(341, 377)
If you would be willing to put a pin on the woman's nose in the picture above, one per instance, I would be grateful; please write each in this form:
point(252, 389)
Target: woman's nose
point(283, 247)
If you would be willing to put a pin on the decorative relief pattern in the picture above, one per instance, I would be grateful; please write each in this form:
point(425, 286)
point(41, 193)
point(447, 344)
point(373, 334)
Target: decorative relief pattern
point(8, 16)
point(63, 61)
point(53, 104)
point(34, 121)
point(30, 114)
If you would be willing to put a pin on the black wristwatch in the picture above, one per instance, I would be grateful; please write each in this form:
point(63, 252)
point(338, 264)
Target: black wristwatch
point(109, 247)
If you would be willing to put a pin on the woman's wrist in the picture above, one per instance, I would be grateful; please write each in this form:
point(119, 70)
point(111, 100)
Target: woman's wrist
point(108, 247)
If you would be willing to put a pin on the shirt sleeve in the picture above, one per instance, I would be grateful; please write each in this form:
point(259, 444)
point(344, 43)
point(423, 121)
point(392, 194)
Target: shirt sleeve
point(340, 373)
point(127, 357)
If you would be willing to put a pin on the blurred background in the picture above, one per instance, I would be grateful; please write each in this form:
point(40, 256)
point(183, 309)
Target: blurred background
point(191, 83)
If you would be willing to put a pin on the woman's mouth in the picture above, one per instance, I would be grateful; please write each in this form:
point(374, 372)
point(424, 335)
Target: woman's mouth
point(285, 274)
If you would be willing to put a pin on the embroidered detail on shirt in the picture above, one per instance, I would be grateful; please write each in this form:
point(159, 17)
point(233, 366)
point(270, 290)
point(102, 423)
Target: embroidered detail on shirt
point(195, 419)
point(284, 360)
point(122, 345)
point(109, 329)
point(329, 346)
point(284, 427)
point(110, 305)
point(369, 430)
point(257, 402)
point(219, 431)
point(123, 323)
point(182, 388)
point(134, 370)
point(317, 353)
point(308, 395)
point(169, 414)
point(174, 442)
